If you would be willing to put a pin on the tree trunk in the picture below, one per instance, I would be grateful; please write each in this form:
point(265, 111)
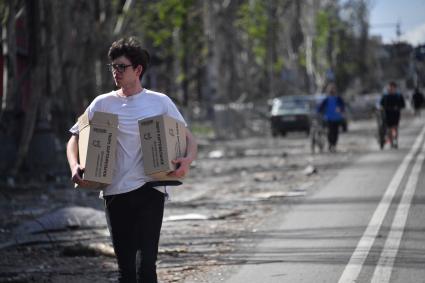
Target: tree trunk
point(309, 30)
point(210, 86)
point(9, 54)
point(35, 10)
point(271, 47)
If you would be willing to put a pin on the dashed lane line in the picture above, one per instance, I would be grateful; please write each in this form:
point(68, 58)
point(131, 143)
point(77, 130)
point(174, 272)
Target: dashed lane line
point(357, 259)
point(385, 265)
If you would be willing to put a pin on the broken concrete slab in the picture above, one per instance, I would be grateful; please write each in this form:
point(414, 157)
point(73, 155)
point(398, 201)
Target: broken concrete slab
point(72, 217)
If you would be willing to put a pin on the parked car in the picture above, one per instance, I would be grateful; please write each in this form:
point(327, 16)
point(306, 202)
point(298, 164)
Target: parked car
point(294, 113)
point(291, 113)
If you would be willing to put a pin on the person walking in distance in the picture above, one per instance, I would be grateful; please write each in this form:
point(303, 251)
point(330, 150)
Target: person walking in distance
point(417, 101)
point(332, 109)
point(133, 204)
point(392, 102)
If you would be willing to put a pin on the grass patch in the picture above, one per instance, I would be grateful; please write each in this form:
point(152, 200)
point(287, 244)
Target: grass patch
point(202, 130)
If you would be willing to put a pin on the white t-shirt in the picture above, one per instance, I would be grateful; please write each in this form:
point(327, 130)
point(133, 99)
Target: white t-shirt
point(128, 173)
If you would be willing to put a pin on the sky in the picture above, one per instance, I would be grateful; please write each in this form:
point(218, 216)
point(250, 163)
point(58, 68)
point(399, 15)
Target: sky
point(410, 14)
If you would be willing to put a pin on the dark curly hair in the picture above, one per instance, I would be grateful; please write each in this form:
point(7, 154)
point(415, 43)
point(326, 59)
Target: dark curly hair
point(392, 83)
point(132, 49)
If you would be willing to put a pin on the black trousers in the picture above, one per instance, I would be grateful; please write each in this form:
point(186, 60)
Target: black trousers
point(333, 132)
point(134, 222)
point(392, 118)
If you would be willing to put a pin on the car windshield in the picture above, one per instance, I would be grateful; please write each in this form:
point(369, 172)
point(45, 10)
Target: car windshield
point(290, 106)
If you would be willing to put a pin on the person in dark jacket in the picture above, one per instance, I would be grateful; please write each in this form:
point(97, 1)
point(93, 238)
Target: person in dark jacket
point(392, 102)
point(417, 101)
point(332, 109)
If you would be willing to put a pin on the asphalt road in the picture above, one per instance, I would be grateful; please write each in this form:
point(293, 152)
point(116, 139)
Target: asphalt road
point(365, 225)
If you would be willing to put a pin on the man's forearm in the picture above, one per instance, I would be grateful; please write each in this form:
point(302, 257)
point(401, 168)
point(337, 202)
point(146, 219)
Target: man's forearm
point(192, 146)
point(72, 151)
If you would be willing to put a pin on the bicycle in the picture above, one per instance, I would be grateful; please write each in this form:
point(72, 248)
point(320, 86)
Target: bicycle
point(317, 134)
point(382, 127)
point(384, 133)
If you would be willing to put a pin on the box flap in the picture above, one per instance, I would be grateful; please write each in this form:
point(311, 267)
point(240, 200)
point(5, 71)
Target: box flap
point(148, 120)
point(99, 118)
point(83, 121)
point(105, 119)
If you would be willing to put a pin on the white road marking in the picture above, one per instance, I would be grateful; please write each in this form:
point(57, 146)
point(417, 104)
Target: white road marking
point(385, 265)
point(355, 264)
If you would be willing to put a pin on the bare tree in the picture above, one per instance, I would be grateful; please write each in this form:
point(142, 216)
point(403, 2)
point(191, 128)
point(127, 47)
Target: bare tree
point(36, 10)
point(10, 76)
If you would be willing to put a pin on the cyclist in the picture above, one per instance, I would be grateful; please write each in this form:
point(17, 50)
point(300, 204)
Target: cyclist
point(392, 102)
point(332, 108)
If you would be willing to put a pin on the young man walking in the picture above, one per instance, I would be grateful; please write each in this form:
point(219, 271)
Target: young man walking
point(134, 208)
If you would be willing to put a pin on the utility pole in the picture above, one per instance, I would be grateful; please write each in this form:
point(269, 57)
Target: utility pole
point(398, 30)
point(396, 25)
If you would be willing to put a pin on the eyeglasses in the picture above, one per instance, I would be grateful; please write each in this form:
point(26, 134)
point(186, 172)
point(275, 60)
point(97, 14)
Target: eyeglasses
point(118, 67)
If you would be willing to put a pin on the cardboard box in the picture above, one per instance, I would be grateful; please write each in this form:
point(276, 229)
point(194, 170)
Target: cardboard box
point(96, 147)
point(163, 139)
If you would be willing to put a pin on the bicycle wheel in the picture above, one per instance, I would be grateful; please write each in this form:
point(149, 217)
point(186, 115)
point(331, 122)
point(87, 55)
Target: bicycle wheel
point(382, 131)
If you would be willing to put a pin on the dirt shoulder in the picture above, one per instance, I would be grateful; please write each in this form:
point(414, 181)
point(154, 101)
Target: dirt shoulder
point(233, 187)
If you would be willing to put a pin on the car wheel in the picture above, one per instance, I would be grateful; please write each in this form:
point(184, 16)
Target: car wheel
point(275, 132)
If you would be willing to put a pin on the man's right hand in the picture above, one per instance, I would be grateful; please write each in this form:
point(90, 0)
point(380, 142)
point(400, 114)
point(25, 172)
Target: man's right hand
point(77, 175)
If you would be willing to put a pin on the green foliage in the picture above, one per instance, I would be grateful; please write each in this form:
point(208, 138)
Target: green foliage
point(336, 46)
point(302, 60)
point(159, 20)
point(202, 129)
point(322, 29)
point(173, 28)
point(279, 64)
point(253, 22)
point(5, 10)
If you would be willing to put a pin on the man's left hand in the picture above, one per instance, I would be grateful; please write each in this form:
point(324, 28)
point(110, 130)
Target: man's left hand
point(183, 167)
